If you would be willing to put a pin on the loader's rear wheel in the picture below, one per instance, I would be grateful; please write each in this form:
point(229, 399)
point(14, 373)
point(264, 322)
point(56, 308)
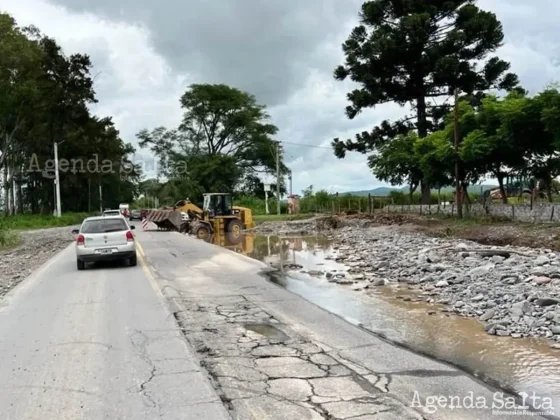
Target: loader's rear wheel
point(202, 232)
point(234, 231)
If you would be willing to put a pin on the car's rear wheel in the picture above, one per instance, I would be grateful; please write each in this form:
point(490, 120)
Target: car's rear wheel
point(133, 261)
point(80, 264)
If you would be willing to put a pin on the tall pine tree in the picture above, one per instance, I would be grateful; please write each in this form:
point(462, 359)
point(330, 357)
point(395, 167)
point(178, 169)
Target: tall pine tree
point(414, 52)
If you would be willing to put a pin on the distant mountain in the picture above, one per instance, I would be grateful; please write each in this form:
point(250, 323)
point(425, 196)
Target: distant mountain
point(384, 191)
point(379, 191)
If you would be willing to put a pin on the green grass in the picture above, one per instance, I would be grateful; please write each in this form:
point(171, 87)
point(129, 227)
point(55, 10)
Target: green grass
point(280, 217)
point(9, 239)
point(35, 221)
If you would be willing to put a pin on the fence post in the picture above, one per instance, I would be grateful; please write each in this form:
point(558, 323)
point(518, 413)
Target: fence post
point(369, 202)
point(359, 204)
point(373, 204)
point(512, 212)
point(333, 207)
point(552, 214)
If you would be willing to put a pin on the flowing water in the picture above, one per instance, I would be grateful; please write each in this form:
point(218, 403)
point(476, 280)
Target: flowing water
point(521, 365)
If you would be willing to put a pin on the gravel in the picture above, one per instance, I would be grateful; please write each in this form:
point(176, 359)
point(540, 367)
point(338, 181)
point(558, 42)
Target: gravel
point(516, 293)
point(37, 248)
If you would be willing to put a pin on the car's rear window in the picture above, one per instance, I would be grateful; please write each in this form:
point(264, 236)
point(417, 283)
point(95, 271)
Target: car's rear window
point(104, 226)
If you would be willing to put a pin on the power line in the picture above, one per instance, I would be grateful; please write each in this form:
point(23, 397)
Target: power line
point(306, 145)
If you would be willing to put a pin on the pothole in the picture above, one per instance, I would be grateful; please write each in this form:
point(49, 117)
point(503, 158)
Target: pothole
point(267, 330)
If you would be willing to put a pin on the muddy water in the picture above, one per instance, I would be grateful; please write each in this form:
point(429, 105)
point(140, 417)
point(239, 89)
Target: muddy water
point(522, 365)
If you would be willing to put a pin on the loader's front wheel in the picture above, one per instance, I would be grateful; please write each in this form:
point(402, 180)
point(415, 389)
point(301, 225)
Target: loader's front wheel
point(234, 231)
point(202, 232)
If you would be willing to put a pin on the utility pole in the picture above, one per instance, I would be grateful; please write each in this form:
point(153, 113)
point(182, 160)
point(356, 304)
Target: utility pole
point(100, 198)
point(57, 180)
point(89, 195)
point(458, 198)
point(278, 176)
point(266, 188)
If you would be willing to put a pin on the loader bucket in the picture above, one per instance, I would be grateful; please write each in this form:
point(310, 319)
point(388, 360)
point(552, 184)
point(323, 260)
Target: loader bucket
point(165, 219)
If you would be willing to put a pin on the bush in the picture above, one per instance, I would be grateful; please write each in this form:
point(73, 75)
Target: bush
point(258, 205)
point(8, 238)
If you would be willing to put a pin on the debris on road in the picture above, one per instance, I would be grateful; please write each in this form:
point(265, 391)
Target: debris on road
point(37, 248)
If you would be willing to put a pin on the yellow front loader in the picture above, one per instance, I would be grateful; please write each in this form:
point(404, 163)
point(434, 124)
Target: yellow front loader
point(218, 215)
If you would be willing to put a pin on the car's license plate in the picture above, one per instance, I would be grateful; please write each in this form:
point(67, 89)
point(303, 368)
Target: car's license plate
point(104, 251)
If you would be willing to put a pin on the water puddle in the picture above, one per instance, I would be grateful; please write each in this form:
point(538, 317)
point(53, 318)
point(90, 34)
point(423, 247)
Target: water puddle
point(267, 330)
point(522, 365)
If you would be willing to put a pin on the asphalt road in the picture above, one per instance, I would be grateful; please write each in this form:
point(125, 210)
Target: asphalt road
point(96, 344)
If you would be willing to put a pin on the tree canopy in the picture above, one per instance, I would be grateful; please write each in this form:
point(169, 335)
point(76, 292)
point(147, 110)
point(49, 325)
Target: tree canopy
point(45, 99)
point(509, 138)
point(418, 53)
point(224, 140)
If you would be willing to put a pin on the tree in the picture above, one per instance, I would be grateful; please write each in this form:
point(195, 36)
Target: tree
point(218, 120)
point(45, 98)
point(490, 147)
point(307, 192)
point(395, 162)
point(434, 156)
point(544, 161)
point(416, 52)
point(19, 70)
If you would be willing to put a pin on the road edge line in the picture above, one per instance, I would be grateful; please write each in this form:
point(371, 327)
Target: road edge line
point(150, 276)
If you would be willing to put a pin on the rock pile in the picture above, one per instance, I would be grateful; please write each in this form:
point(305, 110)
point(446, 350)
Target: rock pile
point(296, 227)
point(514, 291)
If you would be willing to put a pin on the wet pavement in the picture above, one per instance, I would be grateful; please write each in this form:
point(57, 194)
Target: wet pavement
point(522, 365)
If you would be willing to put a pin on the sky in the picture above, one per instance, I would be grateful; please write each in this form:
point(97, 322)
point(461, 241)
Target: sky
point(284, 52)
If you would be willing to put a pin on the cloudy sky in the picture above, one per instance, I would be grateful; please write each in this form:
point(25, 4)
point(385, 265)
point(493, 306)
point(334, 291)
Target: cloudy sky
point(146, 53)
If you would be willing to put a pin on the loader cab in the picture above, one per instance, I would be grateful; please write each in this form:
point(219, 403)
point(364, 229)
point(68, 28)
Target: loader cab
point(218, 204)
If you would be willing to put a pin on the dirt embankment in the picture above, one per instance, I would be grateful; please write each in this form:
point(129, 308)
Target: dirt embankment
point(38, 246)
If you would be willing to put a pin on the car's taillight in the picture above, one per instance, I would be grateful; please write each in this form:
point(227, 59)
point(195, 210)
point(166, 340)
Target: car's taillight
point(129, 236)
point(80, 239)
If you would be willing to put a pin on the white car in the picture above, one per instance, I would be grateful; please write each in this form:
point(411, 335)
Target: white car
point(105, 238)
point(112, 213)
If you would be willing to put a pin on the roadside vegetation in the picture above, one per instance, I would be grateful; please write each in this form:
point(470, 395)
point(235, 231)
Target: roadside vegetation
point(34, 221)
point(8, 239)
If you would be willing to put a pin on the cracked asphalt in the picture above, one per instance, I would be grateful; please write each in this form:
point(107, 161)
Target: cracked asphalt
point(273, 355)
point(264, 369)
